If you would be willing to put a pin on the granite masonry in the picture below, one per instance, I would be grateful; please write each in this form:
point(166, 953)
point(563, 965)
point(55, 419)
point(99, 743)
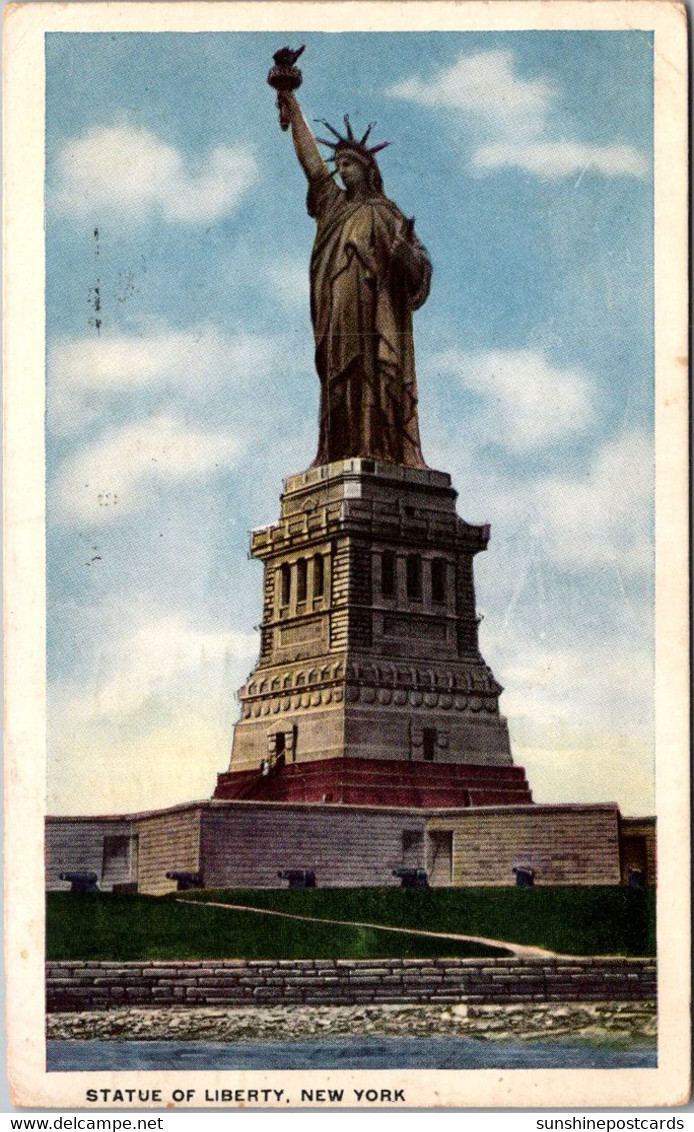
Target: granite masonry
point(73, 986)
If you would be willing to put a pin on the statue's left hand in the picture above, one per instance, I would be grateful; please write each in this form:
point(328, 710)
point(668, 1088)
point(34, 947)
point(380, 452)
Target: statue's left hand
point(403, 250)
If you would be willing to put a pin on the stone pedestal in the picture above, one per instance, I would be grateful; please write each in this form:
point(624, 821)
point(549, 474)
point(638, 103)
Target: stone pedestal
point(369, 647)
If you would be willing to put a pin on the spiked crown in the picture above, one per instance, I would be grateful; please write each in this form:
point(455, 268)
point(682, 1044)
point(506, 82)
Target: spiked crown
point(359, 149)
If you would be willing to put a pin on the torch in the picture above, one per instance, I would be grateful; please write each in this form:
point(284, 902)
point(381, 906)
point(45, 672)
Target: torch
point(284, 77)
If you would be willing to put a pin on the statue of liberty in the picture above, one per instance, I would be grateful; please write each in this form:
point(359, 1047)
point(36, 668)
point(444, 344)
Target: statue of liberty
point(369, 272)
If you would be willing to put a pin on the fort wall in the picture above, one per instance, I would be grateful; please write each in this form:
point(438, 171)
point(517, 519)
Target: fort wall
point(78, 986)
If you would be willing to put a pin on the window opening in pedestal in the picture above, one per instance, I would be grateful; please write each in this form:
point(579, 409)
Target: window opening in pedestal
point(301, 580)
point(285, 583)
point(388, 574)
point(414, 577)
point(438, 581)
point(429, 744)
point(318, 576)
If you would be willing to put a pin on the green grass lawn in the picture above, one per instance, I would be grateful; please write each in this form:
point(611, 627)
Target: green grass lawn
point(579, 921)
point(149, 927)
point(572, 920)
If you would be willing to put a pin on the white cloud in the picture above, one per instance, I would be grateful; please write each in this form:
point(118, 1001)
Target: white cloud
point(289, 280)
point(149, 723)
point(568, 609)
point(566, 680)
point(133, 173)
point(528, 403)
point(553, 160)
point(581, 717)
point(516, 120)
point(605, 515)
point(84, 372)
point(487, 86)
point(598, 516)
point(578, 691)
point(155, 655)
point(115, 476)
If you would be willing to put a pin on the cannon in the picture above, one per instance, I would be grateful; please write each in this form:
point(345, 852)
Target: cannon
point(185, 881)
point(412, 878)
point(298, 878)
point(81, 881)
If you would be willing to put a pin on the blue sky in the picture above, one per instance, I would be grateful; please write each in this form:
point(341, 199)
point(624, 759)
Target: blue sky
point(527, 161)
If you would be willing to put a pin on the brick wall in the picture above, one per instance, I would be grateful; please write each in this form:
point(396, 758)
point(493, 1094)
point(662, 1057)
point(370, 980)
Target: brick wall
point(246, 846)
point(360, 595)
point(77, 845)
point(562, 844)
point(270, 583)
point(339, 589)
point(465, 607)
point(167, 841)
point(101, 986)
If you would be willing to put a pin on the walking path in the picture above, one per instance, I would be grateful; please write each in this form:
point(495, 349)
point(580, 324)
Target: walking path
point(520, 950)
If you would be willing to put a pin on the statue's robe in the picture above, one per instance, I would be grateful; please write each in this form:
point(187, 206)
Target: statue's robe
point(361, 306)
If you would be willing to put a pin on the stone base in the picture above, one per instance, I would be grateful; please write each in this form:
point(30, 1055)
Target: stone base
point(369, 638)
point(380, 783)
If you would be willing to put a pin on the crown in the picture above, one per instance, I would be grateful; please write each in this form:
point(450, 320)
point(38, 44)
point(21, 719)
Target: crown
point(359, 149)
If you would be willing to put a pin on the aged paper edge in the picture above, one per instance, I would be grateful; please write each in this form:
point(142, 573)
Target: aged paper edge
point(24, 515)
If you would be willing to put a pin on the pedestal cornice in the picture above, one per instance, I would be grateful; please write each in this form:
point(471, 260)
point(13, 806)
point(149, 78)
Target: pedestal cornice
point(366, 497)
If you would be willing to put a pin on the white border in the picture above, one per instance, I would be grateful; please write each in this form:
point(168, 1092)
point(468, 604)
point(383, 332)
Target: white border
point(25, 26)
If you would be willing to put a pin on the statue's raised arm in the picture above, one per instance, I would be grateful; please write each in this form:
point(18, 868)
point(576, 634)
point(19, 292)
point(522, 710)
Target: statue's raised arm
point(305, 145)
point(369, 272)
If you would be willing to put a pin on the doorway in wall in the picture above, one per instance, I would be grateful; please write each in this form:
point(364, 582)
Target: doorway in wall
point(634, 860)
point(429, 744)
point(440, 857)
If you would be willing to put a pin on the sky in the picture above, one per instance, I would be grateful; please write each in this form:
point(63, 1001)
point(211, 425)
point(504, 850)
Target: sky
point(181, 387)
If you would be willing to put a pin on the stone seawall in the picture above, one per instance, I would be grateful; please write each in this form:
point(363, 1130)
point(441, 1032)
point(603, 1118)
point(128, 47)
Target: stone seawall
point(79, 986)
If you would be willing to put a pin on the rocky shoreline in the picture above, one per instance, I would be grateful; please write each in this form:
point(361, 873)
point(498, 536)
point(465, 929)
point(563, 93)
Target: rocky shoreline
point(597, 1021)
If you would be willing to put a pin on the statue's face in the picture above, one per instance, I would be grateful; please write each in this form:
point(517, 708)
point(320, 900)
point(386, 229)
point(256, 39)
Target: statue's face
point(352, 172)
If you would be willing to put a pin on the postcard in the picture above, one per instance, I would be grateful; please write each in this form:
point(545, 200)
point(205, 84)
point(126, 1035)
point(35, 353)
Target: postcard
point(346, 555)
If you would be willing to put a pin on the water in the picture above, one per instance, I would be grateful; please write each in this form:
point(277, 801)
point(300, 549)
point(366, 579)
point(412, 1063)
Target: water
point(349, 1053)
